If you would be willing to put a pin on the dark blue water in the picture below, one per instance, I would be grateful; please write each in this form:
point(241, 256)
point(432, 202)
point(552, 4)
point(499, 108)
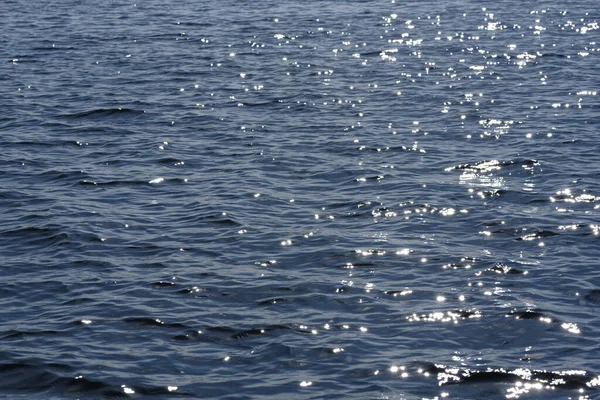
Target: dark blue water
point(318, 199)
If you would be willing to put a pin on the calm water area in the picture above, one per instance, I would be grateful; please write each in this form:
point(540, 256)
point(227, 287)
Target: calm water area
point(321, 199)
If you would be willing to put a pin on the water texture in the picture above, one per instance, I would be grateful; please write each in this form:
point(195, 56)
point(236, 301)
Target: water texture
point(299, 199)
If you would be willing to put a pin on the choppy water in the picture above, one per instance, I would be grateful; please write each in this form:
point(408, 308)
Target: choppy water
point(317, 199)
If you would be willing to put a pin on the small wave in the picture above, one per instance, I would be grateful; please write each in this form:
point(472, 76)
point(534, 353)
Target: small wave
point(502, 268)
point(17, 334)
point(57, 176)
point(53, 48)
point(37, 378)
point(265, 103)
point(54, 143)
point(145, 321)
point(593, 296)
point(544, 318)
point(46, 236)
point(537, 379)
point(151, 182)
point(226, 333)
point(537, 235)
point(100, 113)
point(161, 284)
point(273, 300)
point(113, 183)
point(491, 165)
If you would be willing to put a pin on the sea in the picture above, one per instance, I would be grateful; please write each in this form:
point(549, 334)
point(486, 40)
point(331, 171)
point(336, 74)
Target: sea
point(320, 199)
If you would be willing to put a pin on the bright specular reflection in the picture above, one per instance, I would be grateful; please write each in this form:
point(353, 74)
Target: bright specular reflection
point(371, 185)
point(447, 316)
point(526, 380)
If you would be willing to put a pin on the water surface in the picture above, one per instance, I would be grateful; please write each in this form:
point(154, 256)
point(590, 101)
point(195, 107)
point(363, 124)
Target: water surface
point(321, 199)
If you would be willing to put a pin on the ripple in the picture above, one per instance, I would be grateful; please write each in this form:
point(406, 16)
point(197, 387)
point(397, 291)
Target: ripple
point(279, 200)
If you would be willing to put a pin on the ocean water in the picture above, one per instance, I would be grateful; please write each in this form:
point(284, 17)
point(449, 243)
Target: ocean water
point(314, 199)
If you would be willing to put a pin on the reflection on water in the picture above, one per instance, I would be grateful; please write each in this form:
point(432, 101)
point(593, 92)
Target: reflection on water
point(371, 199)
